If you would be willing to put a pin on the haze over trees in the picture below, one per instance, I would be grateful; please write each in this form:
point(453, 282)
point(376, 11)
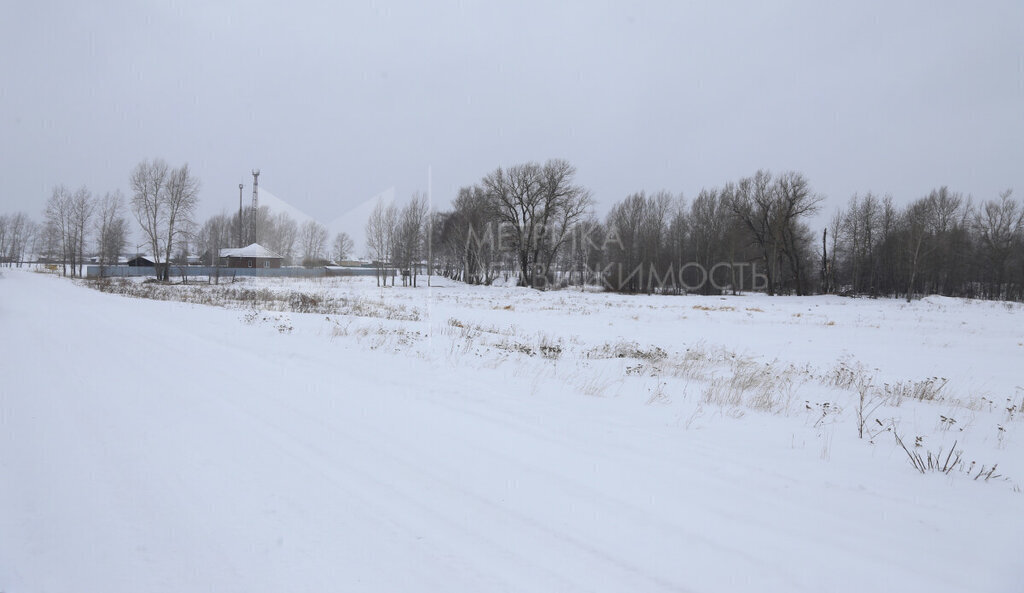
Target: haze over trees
point(216, 233)
point(313, 242)
point(279, 232)
point(18, 233)
point(111, 228)
point(410, 238)
point(282, 233)
point(342, 247)
point(380, 238)
point(533, 225)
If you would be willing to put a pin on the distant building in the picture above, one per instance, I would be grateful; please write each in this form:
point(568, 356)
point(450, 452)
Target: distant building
point(147, 261)
point(253, 256)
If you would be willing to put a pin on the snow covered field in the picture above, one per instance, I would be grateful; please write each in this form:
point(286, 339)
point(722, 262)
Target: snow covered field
point(460, 438)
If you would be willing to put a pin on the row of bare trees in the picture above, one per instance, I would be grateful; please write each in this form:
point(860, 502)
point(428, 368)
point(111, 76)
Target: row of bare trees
point(18, 237)
point(532, 221)
point(399, 239)
point(77, 220)
point(163, 202)
point(942, 243)
point(752, 234)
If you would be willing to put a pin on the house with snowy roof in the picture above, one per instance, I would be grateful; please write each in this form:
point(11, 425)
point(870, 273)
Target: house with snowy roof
point(142, 260)
point(253, 256)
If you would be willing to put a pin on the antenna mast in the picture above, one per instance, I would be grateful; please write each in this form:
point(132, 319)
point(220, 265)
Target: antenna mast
point(240, 237)
point(255, 203)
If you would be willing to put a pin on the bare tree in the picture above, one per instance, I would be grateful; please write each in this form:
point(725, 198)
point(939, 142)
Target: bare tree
point(380, 238)
point(391, 215)
point(26, 240)
point(82, 209)
point(342, 247)
point(773, 213)
point(148, 180)
point(111, 229)
point(999, 225)
point(163, 202)
point(410, 238)
point(624, 226)
point(5, 239)
point(281, 232)
point(218, 232)
point(48, 242)
point(950, 217)
point(466, 238)
point(514, 196)
point(564, 204)
point(795, 202)
point(638, 249)
point(376, 239)
point(680, 230)
point(917, 227)
point(59, 221)
point(710, 222)
point(586, 254)
point(181, 199)
point(754, 206)
point(313, 240)
point(17, 232)
point(938, 244)
point(828, 257)
point(859, 224)
point(537, 205)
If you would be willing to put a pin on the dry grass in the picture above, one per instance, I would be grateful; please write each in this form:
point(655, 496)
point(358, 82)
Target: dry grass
point(238, 296)
point(924, 390)
point(720, 308)
point(626, 349)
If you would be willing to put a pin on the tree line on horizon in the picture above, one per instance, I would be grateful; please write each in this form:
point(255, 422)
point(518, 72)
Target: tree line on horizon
point(534, 225)
point(752, 234)
point(80, 226)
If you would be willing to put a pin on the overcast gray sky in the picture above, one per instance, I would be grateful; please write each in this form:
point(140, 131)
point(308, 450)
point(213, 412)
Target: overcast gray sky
point(336, 102)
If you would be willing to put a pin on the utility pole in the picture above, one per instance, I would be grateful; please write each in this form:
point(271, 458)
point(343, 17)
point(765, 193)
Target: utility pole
point(430, 225)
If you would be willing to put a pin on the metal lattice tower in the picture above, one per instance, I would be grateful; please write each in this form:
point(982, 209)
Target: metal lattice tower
point(255, 189)
point(241, 236)
point(255, 204)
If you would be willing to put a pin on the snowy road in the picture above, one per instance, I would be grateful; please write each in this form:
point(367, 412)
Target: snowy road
point(156, 446)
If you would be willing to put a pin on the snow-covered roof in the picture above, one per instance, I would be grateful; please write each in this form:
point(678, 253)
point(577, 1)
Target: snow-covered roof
point(254, 250)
